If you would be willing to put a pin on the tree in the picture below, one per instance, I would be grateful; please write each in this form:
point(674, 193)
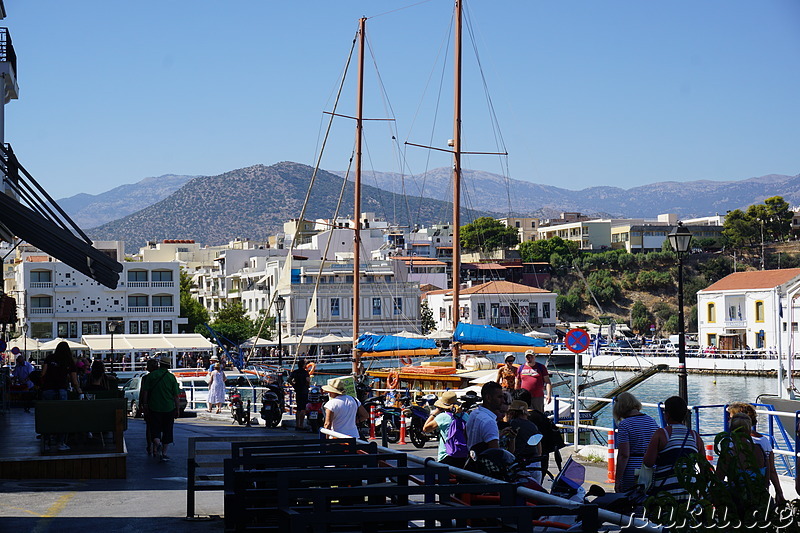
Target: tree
point(232, 323)
point(427, 324)
point(191, 309)
point(739, 230)
point(486, 234)
point(604, 287)
point(779, 218)
point(543, 250)
point(640, 317)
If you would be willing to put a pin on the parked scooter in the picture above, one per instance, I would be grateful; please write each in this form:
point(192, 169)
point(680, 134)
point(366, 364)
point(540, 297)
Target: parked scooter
point(273, 401)
point(239, 412)
point(418, 413)
point(314, 408)
point(387, 414)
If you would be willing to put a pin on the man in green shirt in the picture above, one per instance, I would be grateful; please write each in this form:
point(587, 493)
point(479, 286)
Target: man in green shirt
point(160, 404)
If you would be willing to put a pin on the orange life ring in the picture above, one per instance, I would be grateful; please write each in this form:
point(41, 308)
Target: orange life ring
point(406, 360)
point(311, 368)
point(393, 380)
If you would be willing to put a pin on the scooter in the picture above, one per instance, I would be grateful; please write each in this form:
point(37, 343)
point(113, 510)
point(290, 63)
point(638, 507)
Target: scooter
point(239, 412)
point(386, 414)
point(314, 408)
point(273, 402)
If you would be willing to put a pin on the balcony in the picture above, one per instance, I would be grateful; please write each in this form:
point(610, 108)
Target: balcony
point(41, 310)
point(736, 324)
point(138, 284)
point(156, 284)
point(138, 309)
point(41, 285)
point(163, 309)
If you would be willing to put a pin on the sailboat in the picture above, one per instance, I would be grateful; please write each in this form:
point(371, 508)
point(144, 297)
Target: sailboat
point(432, 375)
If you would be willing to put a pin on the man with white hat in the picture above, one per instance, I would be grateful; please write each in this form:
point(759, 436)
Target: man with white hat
point(534, 377)
point(342, 411)
point(445, 413)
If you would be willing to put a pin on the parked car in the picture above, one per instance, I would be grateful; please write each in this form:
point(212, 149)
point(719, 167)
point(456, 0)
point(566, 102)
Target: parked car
point(132, 391)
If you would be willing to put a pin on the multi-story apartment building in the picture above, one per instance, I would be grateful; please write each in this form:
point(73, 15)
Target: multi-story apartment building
point(526, 227)
point(54, 300)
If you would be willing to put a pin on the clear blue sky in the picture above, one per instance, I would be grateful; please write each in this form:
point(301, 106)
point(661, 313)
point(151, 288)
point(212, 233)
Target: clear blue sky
point(616, 93)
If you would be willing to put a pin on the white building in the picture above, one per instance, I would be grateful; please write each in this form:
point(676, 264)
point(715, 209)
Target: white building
point(750, 309)
point(502, 304)
point(54, 300)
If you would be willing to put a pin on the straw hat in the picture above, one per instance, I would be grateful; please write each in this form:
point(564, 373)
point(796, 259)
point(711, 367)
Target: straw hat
point(335, 386)
point(510, 356)
point(529, 352)
point(214, 358)
point(447, 400)
point(518, 405)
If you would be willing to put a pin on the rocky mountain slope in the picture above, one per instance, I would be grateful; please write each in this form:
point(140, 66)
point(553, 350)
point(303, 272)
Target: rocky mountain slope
point(254, 203)
point(491, 192)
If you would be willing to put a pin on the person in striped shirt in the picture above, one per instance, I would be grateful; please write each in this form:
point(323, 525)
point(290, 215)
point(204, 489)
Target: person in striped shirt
point(634, 431)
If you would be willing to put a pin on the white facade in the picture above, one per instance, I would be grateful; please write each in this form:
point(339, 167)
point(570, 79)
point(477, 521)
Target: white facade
point(501, 304)
point(54, 300)
point(751, 310)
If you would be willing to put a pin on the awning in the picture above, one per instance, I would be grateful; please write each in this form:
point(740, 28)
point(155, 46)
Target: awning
point(51, 345)
point(145, 343)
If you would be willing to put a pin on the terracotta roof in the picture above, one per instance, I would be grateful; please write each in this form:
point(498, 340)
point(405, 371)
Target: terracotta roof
point(755, 279)
point(38, 259)
point(496, 287)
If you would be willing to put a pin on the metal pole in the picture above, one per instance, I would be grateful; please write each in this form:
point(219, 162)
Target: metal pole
point(362, 23)
point(280, 346)
point(456, 263)
point(682, 386)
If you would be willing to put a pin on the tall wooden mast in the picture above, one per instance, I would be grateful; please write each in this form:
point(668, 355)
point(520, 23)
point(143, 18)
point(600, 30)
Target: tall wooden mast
point(456, 176)
point(362, 24)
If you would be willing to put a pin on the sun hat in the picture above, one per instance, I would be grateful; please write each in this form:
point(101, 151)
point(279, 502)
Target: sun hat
point(335, 386)
point(529, 352)
point(510, 356)
point(214, 358)
point(518, 405)
point(447, 400)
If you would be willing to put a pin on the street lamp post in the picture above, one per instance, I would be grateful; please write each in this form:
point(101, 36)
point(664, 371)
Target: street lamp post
point(679, 239)
point(280, 303)
point(112, 328)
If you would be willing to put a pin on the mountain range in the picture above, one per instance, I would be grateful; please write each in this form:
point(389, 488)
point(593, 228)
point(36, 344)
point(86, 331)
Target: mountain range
point(254, 202)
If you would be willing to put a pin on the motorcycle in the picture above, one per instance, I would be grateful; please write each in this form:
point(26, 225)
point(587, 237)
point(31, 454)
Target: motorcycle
point(273, 402)
point(314, 408)
point(418, 413)
point(386, 414)
point(239, 412)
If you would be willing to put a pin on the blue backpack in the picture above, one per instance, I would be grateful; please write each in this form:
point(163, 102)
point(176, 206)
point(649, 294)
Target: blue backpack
point(455, 442)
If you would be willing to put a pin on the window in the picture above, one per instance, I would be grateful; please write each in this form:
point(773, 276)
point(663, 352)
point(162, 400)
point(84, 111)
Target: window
point(120, 329)
point(134, 327)
point(711, 313)
point(533, 311)
point(137, 275)
point(144, 327)
point(73, 330)
point(156, 327)
point(137, 301)
point(161, 301)
point(62, 329)
point(545, 309)
point(40, 302)
point(41, 330)
point(495, 310)
point(167, 327)
point(482, 311)
point(41, 276)
point(335, 307)
point(376, 307)
point(398, 306)
point(712, 339)
point(162, 275)
point(759, 313)
point(90, 328)
point(517, 223)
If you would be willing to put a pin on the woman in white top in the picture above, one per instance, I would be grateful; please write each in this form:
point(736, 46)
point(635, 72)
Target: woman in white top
point(342, 412)
point(216, 388)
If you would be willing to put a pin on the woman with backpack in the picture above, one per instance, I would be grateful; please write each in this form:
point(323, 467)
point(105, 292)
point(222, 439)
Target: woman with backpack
point(451, 423)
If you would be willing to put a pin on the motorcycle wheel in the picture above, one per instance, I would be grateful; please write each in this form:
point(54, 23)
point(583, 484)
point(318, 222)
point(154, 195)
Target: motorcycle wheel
point(418, 438)
point(274, 419)
point(240, 415)
point(392, 431)
point(314, 425)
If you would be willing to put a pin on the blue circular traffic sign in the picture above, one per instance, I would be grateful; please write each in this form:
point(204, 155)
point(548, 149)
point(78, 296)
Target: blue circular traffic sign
point(577, 340)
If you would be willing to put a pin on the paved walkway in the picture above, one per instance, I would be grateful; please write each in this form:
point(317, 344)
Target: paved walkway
point(153, 497)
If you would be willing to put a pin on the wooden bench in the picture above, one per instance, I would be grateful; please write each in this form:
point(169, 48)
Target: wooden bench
point(82, 416)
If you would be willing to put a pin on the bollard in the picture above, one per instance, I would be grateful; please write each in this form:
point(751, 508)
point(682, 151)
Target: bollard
point(612, 469)
point(372, 422)
point(402, 429)
point(710, 453)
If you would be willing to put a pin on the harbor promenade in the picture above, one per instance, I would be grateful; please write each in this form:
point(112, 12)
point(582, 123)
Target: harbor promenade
point(153, 496)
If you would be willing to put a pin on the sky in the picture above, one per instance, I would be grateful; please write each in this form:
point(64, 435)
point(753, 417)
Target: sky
point(579, 93)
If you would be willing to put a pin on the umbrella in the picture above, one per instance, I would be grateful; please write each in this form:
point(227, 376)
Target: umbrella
point(440, 335)
point(410, 335)
point(24, 343)
point(538, 334)
point(51, 345)
point(253, 342)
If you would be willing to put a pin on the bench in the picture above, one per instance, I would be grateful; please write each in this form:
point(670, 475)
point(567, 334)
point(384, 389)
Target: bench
point(82, 416)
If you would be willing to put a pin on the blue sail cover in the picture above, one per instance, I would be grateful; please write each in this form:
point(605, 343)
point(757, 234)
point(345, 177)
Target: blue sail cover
point(385, 343)
point(472, 334)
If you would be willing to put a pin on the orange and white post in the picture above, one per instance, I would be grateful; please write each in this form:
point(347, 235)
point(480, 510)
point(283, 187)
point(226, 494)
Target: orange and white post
point(612, 467)
point(402, 429)
point(372, 417)
point(710, 453)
